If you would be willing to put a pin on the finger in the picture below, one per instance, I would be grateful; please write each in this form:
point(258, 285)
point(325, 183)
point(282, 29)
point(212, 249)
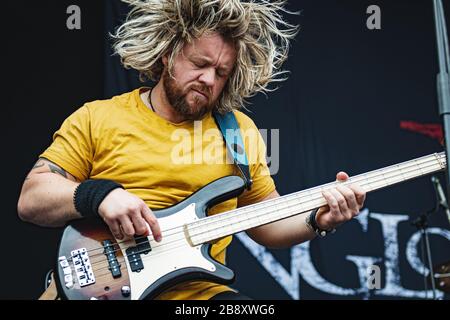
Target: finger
point(332, 203)
point(323, 218)
point(350, 197)
point(149, 216)
point(115, 229)
point(139, 225)
point(360, 194)
point(342, 176)
point(127, 226)
point(342, 202)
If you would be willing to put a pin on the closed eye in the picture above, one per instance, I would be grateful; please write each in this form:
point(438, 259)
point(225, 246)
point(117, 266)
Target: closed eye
point(200, 65)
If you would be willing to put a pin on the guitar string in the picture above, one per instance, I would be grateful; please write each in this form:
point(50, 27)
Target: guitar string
point(355, 179)
point(318, 195)
point(122, 259)
point(311, 199)
point(222, 217)
point(244, 219)
point(294, 195)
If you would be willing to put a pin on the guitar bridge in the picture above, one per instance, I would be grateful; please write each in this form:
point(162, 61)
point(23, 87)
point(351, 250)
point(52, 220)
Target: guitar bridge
point(83, 267)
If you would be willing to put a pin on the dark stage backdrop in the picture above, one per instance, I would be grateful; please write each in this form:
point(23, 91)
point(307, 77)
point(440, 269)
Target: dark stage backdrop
point(356, 100)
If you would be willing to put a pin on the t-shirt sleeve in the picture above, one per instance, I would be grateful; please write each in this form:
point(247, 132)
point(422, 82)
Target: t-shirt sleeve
point(72, 147)
point(263, 184)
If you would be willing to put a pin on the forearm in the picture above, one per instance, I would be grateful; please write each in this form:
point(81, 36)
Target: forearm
point(284, 233)
point(47, 200)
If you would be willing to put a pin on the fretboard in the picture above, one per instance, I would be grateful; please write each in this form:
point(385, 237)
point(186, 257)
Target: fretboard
point(234, 221)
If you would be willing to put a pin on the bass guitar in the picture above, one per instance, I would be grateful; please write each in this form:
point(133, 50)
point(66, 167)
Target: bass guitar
point(92, 264)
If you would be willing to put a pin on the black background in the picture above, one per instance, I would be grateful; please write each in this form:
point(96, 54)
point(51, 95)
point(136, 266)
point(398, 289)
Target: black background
point(341, 109)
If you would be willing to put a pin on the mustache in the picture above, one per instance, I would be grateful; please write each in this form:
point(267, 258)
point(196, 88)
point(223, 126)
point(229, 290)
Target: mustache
point(202, 89)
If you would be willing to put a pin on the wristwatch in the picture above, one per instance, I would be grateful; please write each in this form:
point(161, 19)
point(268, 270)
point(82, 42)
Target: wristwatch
point(312, 224)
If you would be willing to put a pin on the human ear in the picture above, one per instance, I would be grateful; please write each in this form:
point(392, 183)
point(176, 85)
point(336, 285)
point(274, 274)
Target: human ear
point(165, 60)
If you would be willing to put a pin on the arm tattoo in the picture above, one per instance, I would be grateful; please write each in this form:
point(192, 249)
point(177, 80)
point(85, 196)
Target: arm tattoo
point(52, 168)
point(58, 170)
point(39, 164)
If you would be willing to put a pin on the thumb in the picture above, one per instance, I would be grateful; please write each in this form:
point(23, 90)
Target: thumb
point(342, 177)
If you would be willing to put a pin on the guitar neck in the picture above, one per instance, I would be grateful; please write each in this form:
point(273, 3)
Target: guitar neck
point(222, 225)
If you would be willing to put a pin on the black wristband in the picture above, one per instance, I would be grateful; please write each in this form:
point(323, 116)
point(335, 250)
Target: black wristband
point(89, 195)
point(311, 221)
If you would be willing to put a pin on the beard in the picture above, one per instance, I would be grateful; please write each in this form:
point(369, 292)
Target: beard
point(194, 110)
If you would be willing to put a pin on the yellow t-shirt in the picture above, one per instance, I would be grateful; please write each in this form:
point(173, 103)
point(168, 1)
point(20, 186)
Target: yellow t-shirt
point(162, 163)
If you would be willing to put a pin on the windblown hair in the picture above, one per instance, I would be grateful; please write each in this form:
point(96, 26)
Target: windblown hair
point(155, 28)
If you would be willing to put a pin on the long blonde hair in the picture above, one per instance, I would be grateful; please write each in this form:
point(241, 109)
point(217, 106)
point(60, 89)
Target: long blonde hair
point(154, 28)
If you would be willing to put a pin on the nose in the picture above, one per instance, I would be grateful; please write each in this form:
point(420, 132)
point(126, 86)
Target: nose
point(208, 76)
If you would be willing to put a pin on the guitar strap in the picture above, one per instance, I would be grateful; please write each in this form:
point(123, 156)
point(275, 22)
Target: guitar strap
point(231, 133)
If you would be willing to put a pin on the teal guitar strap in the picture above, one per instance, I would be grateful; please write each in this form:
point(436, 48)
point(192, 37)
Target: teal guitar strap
point(231, 133)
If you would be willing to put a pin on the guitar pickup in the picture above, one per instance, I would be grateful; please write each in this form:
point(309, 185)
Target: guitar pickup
point(134, 253)
point(113, 263)
point(134, 259)
point(143, 245)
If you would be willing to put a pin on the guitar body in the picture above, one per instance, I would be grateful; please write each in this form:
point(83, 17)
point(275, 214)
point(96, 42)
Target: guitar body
point(92, 264)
